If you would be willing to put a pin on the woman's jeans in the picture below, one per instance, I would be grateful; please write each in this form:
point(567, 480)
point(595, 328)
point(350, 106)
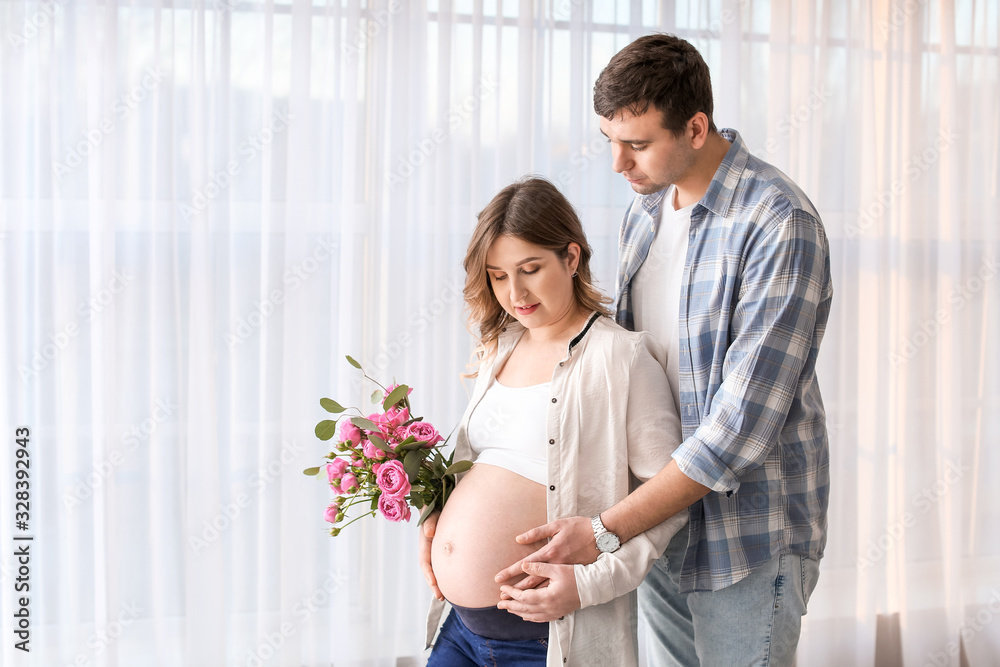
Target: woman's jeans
point(457, 646)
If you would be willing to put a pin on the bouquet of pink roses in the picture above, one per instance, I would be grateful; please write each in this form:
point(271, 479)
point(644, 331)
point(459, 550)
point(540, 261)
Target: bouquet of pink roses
point(387, 461)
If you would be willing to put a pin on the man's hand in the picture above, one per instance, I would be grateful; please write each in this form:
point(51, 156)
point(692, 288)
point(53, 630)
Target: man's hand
point(572, 541)
point(427, 529)
point(547, 603)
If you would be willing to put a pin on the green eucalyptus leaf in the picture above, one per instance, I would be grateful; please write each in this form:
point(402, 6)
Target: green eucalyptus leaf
point(326, 429)
point(410, 447)
point(376, 396)
point(411, 464)
point(380, 443)
point(395, 396)
point(352, 362)
point(374, 502)
point(366, 424)
point(331, 405)
point(460, 466)
point(311, 471)
point(416, 500)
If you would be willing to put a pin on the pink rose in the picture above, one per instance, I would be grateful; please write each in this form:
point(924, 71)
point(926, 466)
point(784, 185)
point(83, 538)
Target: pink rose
point(350, 433)
point(393, 508)
point(423, 432)
point(397, 418)
point(348, 483)
point(331, 512)
point(335, 469)
point(380, 420)
point(391, 478)
point(372, 452)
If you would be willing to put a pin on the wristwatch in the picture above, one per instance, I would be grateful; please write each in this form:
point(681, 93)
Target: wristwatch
point(607, 542)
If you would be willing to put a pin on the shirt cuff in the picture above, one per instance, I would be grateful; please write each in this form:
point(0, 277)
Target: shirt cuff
point(594, 582)
point(697, 460)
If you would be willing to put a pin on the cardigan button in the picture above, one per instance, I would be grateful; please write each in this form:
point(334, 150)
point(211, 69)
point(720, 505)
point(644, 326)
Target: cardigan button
point(561, 363)
point(553, 400)
point(552, 487)
point(551, 441)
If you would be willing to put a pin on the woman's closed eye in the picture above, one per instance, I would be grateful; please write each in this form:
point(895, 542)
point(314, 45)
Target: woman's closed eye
point(524, 272)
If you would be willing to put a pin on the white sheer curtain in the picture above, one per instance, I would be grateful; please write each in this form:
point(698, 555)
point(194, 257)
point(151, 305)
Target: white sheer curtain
point(205, 205)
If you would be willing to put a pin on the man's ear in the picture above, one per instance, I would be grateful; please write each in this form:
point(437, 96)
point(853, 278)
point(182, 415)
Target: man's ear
point(697, 130)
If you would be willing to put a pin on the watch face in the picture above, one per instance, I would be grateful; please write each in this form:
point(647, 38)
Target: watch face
point(608, 542)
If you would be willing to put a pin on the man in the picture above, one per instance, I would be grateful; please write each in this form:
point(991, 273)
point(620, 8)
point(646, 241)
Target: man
point(725, 260)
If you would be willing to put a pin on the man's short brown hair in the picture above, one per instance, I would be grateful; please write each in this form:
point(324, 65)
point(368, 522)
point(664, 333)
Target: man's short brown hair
point(660, 70)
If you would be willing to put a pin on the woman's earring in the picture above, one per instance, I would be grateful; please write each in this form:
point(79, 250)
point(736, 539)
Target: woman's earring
point(574, 275)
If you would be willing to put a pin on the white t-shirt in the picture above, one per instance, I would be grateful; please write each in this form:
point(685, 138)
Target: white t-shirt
point(656, 286)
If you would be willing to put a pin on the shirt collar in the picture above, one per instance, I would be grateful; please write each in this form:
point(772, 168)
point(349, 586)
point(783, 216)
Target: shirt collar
point(722, 190)
point(651, 203)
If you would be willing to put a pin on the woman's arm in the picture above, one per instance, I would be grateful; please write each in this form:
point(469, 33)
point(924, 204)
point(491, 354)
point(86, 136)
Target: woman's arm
point(652, 432)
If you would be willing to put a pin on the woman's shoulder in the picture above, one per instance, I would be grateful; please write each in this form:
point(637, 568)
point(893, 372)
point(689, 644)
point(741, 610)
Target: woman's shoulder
point(611, 332)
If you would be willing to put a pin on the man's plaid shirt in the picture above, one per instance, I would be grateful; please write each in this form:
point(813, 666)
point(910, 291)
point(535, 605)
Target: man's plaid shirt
point(754, 304)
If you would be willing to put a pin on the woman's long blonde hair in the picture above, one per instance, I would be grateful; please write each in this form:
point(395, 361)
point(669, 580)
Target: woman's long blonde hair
point(534, 211)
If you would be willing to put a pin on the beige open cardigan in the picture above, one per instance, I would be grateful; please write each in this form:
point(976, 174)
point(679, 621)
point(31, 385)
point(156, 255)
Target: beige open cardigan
point(612, 412)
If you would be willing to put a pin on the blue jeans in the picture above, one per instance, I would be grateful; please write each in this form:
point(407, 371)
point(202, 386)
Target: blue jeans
point(756, 621)
point(457, 646)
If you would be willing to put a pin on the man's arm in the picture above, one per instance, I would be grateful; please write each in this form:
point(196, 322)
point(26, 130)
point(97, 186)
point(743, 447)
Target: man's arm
point(668, 492)
point(571, 540)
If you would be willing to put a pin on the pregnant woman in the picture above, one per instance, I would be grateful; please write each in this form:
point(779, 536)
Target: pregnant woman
point(567, 412)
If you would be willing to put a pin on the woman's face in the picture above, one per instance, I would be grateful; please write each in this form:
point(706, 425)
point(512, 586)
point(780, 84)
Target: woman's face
point(532, 283)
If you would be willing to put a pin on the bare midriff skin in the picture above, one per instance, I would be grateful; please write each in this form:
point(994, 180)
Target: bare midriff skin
point(475, 533)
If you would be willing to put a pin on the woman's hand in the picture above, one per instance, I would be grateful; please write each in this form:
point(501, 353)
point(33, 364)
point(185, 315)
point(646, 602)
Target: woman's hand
point(553, 600)
point(427, 529)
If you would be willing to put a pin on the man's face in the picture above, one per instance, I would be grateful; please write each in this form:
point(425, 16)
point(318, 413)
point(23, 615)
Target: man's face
point(647, 154)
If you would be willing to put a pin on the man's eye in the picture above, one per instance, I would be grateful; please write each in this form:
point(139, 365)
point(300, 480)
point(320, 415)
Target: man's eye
point(638, 149)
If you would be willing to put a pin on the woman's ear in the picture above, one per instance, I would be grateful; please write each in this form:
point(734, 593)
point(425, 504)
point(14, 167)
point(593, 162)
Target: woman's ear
point(573, 256)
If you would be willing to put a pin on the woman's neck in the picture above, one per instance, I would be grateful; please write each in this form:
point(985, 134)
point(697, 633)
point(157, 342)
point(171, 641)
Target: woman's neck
point(561, 331)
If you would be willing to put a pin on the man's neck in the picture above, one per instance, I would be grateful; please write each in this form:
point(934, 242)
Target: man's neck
point(699, 177)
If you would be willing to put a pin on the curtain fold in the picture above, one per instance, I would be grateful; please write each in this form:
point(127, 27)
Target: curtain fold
point(204, 206)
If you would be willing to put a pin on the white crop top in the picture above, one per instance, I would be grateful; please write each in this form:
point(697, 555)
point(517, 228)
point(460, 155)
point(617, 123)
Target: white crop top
point(507, 429)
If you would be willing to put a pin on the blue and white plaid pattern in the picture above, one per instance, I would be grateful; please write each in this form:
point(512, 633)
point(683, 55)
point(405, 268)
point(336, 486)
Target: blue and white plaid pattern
point(754, 304)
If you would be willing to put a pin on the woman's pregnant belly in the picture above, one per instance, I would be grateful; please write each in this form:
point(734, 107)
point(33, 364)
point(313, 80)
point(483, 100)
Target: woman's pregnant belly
point(475, 533)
